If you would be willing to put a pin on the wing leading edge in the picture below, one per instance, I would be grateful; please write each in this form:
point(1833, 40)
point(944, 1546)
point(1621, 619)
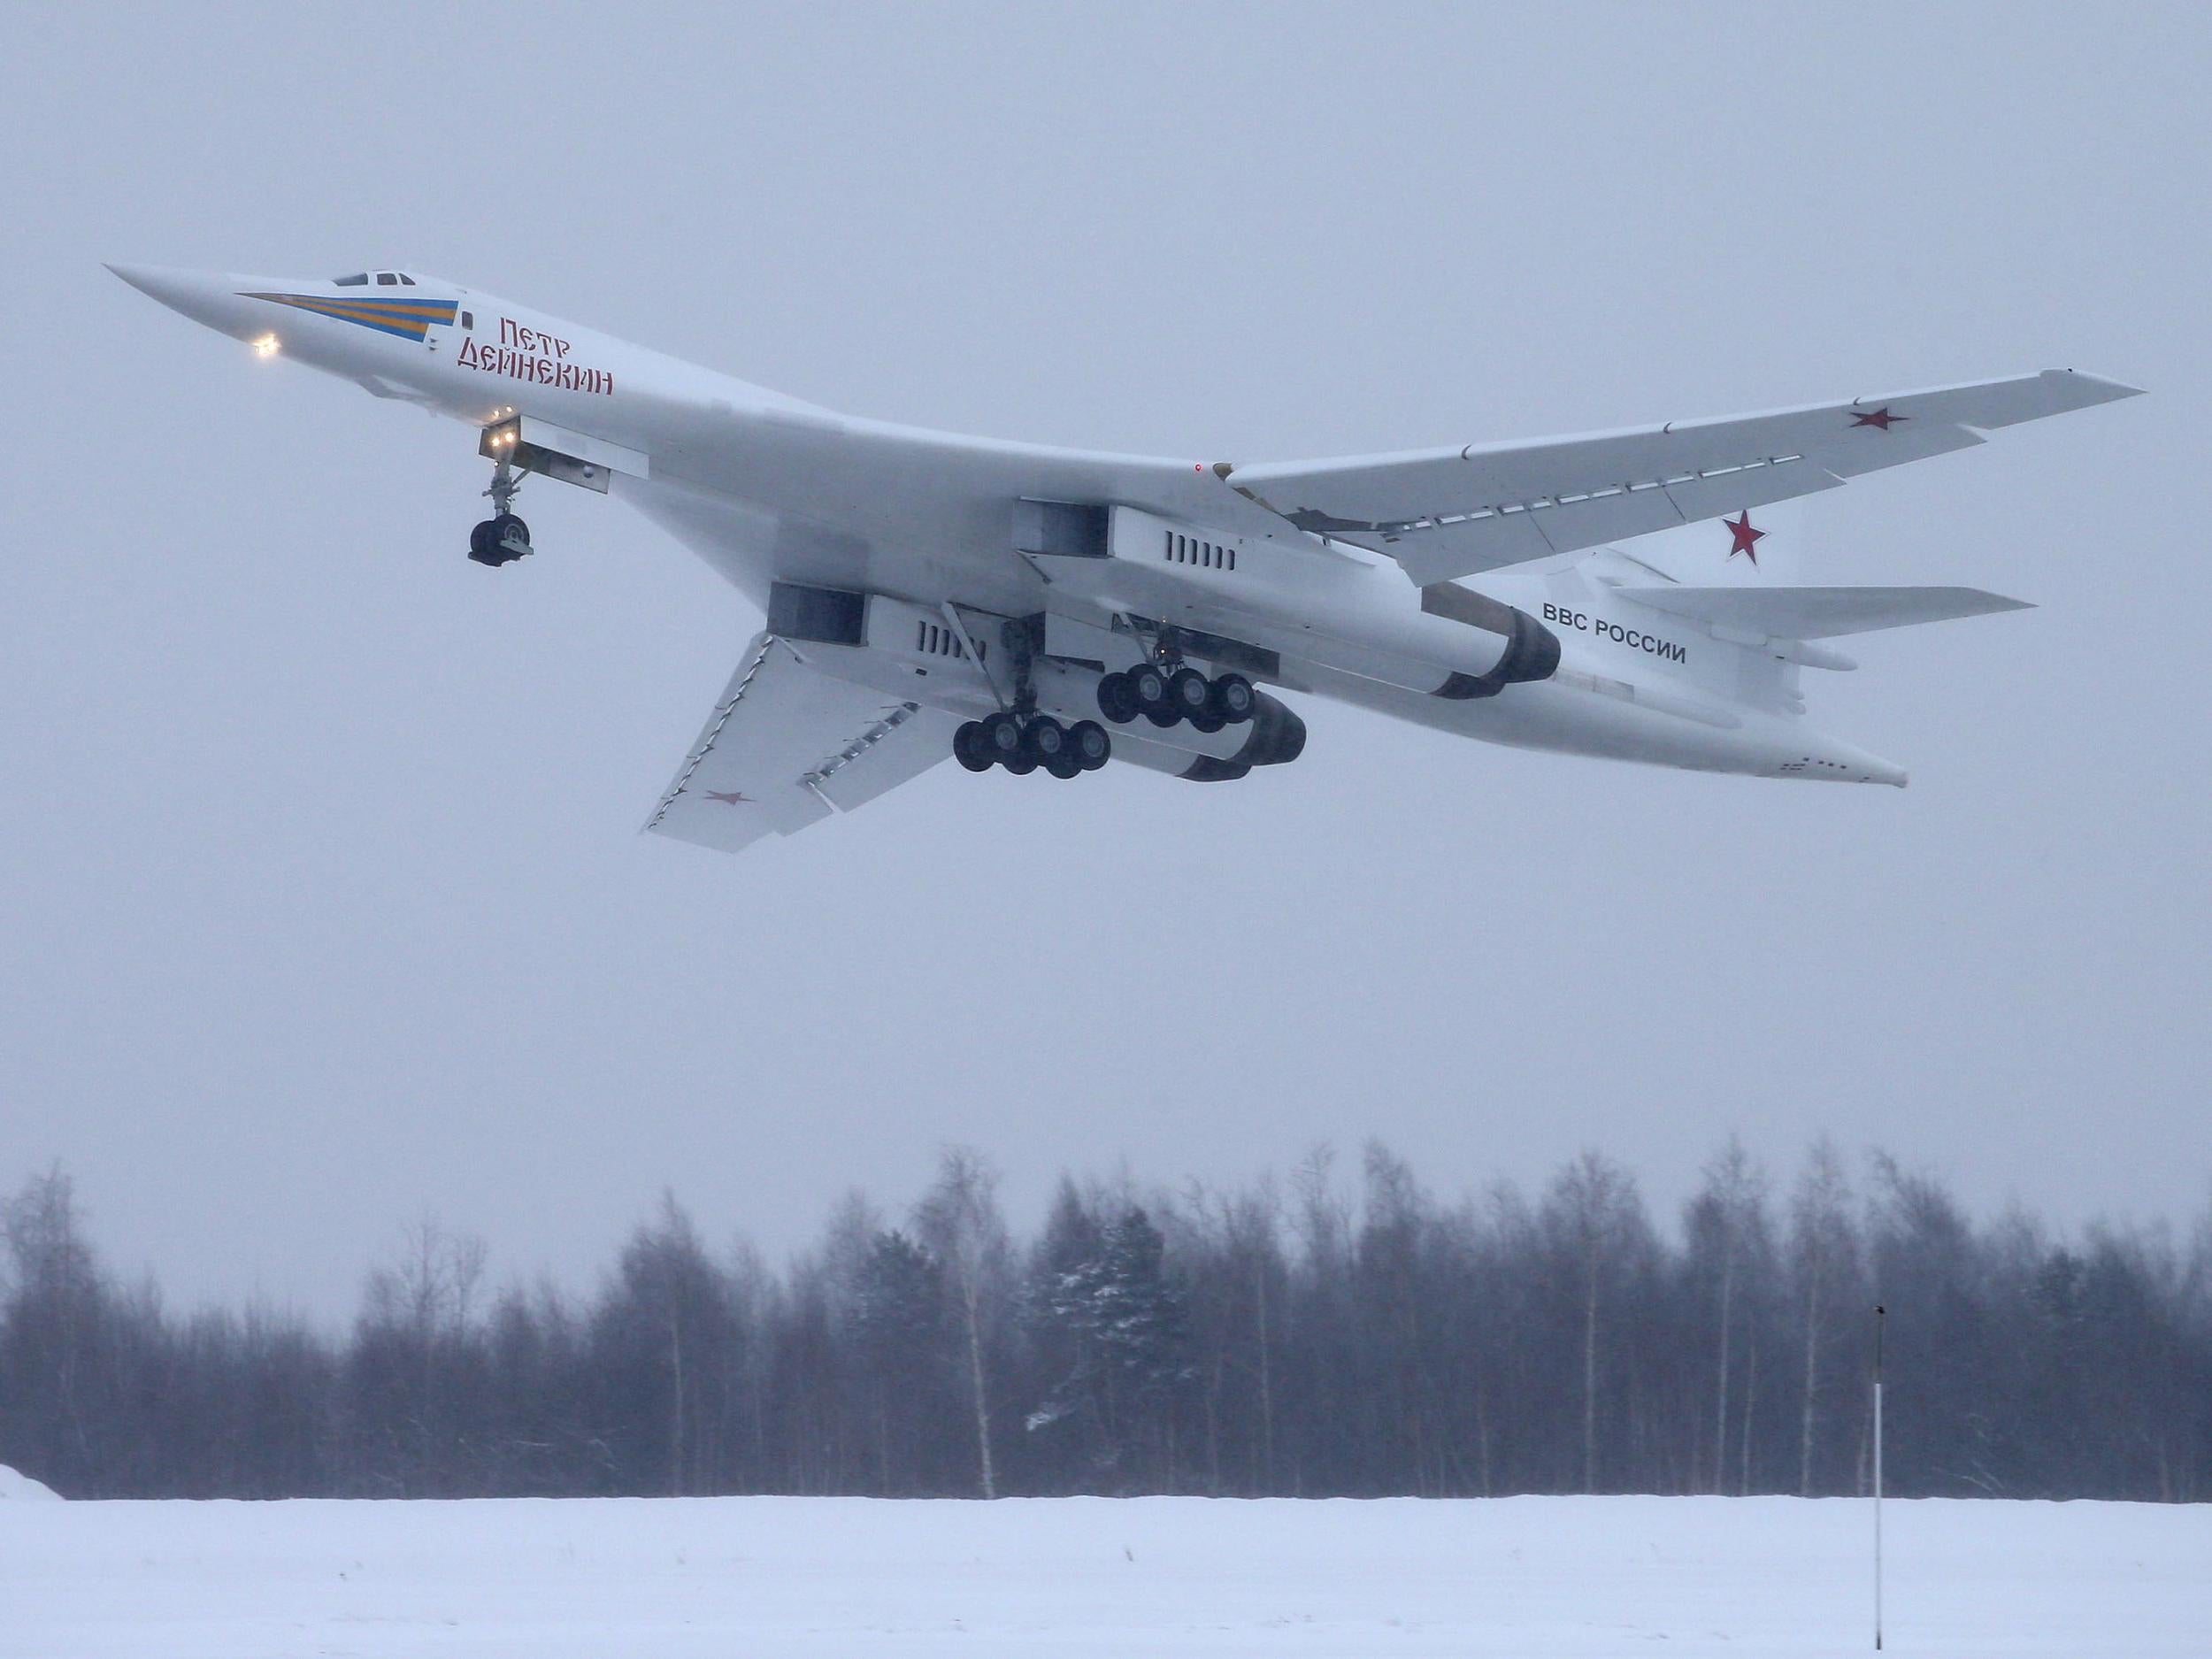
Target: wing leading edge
point(1444, 513)
point(789, 743)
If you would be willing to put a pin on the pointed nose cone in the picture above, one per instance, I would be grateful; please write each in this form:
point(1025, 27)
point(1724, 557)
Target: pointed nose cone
point(205, 296)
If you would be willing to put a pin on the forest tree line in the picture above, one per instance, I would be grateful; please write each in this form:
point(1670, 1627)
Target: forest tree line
point(1329, 1335)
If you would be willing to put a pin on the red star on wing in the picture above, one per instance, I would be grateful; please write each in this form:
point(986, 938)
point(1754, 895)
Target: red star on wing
point(733, 797)
point(1746, 537)
point(1880, 417)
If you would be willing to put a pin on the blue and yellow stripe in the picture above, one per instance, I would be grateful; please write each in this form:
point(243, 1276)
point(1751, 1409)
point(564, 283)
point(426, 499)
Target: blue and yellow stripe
point(408, 318)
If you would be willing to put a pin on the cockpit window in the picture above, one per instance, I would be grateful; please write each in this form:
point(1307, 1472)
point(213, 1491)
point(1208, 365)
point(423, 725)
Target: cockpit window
point(409, 281)
point(387, 280)
point(358, 279)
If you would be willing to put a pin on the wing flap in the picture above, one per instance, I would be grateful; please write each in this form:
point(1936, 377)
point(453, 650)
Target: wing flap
point(1455, 512)
point(1821, 613)
point(787, 744)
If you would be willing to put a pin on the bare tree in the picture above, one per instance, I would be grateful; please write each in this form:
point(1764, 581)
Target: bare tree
point(1595, 1218)
point(1400, 1347)
point(959, 1222)
point(55, 1314)
point(1823, 1251)
point(1724, 1224)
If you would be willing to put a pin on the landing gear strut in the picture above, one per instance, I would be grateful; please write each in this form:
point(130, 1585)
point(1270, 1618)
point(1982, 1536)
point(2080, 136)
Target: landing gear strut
point(502, 538)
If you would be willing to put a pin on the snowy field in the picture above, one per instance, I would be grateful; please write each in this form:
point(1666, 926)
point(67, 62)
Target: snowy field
point(1072, 1578)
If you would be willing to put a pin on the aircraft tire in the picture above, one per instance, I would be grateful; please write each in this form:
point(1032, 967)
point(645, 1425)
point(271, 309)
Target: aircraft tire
point(1117, 699)
point(1151, 687)
point(1190, 695)
point(1233, 699)
point(1046, 739)
point(967, 747)
point(1000, 739)
point(1208, 722)
point(1092, 745)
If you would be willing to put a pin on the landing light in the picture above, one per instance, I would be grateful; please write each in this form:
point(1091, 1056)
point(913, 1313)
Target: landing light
point(265, 347)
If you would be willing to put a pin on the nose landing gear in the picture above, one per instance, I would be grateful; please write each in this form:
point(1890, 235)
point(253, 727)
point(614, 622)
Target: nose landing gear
point(502, 538)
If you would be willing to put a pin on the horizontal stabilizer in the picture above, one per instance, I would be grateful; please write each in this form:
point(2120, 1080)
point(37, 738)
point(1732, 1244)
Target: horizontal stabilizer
point(1820, 614)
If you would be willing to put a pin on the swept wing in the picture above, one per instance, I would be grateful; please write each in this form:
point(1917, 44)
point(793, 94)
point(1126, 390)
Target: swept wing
point(787, 744)
point(1444, 513)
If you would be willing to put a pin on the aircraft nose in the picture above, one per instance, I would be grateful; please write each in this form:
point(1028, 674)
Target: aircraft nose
point(205, 296)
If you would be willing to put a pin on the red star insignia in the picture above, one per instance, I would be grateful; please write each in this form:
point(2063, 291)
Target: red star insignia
point(731, 798)
point(1880, 417)
point(1739, 527)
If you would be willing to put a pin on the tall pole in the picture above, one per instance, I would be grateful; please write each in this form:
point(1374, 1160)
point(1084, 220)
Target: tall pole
point(1879, 1313)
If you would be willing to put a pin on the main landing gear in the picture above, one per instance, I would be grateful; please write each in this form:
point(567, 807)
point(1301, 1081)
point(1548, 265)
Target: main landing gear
point(1022, 743)
point(502, 538)
point(1168, 696)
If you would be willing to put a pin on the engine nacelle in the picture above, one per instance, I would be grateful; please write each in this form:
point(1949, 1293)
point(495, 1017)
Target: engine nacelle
point(1274, 735)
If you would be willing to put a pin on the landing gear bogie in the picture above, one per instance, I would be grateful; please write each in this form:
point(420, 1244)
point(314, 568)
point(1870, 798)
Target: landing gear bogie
point(1168, 697)
point(1024, 744)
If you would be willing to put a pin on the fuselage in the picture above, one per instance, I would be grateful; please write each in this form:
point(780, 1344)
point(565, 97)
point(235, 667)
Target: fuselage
point(770, 490)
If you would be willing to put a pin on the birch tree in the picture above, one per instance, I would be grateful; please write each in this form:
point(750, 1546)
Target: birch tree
point(959, 1221)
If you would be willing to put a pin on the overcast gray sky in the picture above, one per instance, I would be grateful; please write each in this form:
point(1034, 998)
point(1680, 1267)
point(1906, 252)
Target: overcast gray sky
point(321, 896)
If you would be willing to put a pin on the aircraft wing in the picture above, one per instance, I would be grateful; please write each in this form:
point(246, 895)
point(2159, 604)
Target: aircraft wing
point(1444, 513)
point(787, 744)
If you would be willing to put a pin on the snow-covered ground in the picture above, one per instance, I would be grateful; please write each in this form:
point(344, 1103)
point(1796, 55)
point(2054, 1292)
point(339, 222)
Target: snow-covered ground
point(1070, 1579)
point(15, 1486)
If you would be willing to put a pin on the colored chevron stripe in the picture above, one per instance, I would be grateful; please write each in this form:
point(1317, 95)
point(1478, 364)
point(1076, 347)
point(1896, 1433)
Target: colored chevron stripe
point(408, 318)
